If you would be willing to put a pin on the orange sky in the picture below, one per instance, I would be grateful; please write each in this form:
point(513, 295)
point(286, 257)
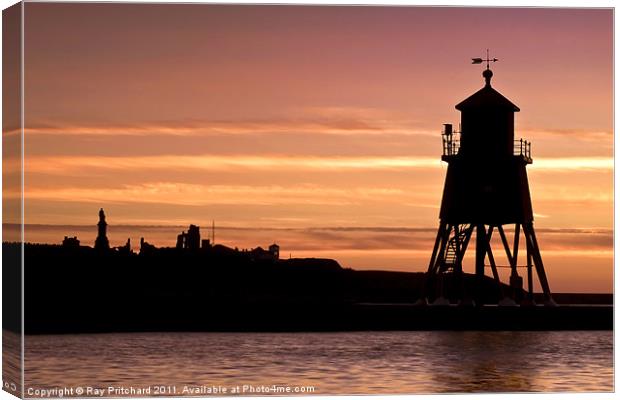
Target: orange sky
point(291, 121)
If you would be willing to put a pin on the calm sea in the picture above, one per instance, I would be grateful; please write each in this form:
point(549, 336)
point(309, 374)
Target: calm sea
point(327, 363)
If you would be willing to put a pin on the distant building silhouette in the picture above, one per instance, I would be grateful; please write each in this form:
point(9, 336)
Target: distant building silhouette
point(102, 243)
point(71, 242)
point(189, 240)
point(192, 241)
point(261, 254)
point(274, 250)
point(146, 248)
point(126, 249)
point(186, 241)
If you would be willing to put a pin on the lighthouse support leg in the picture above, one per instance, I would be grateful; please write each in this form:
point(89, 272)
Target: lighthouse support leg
point(440, 234)
point(490, 254)
point(530, 283)
point(457, 271)
point(465, 291)
point(436, 259)
point(468, 233)
point(445, 230)
point(494, 270)
point(502, 234)
point(516, 282)
point(492, 262)
point(515, 251)
point(458, 267)
point(481, 250)
point(530, 236)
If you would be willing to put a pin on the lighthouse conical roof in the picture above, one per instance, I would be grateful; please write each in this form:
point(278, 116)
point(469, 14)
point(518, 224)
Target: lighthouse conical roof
point(487, 97)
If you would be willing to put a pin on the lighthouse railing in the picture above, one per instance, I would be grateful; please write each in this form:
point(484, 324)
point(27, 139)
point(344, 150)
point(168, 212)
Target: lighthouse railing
point(523, 148)
point(451, 144)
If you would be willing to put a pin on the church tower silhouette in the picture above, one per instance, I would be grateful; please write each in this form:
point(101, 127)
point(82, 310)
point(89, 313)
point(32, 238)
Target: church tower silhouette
point(102, 243)
point(486, 188)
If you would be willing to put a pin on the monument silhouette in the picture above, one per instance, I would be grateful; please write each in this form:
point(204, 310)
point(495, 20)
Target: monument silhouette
point(102, 243)
point(486, 188)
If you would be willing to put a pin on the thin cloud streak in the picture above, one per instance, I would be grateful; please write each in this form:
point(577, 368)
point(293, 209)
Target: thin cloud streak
point(63, 164)
point(574, 163)
point(326, 121)
point(210, 162)
point(581, 134)
point(200, 195)
point(347, 123)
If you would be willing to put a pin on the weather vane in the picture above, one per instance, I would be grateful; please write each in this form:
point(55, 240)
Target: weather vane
point(480, 60)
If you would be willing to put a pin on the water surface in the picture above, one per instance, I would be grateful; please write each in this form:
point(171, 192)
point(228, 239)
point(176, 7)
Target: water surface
point(330, 363)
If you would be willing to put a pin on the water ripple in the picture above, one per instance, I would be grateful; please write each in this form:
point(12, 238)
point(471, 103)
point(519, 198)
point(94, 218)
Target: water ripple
point(334, 363)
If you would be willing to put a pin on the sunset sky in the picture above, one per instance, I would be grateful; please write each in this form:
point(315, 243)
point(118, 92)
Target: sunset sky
point(315, 127)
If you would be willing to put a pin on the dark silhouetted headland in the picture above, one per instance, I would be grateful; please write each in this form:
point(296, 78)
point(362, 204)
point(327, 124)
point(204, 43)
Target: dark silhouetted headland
point(198, 286)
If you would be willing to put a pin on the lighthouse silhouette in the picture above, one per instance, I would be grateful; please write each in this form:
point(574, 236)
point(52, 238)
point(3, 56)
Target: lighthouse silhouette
point(486, 189)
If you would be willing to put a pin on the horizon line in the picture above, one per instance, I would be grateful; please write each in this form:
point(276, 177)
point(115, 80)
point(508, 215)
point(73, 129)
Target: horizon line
point(333, 228)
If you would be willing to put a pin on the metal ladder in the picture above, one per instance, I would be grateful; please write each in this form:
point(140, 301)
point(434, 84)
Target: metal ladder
point(450, 260)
